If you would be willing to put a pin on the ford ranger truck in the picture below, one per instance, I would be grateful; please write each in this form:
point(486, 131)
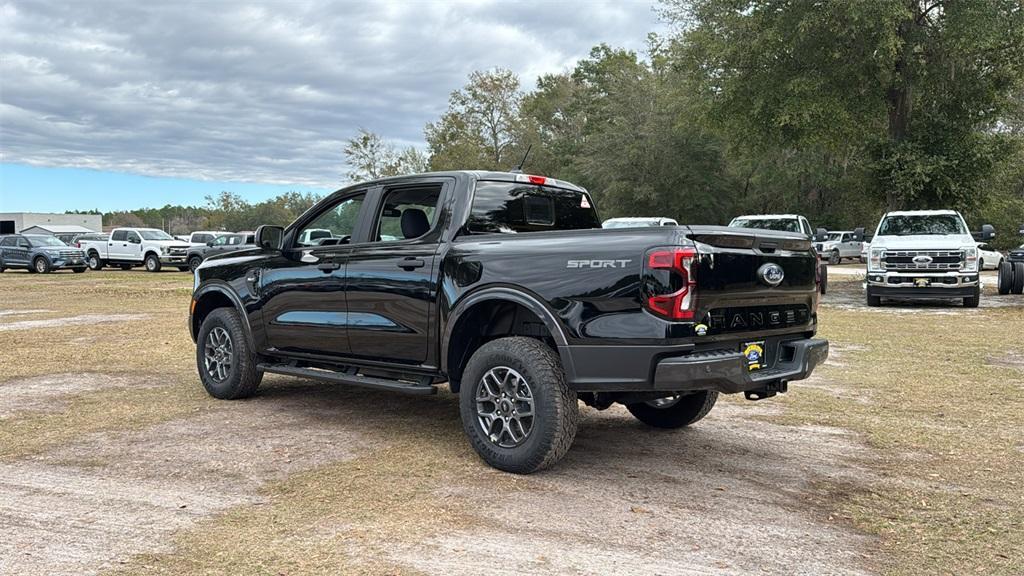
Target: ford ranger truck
point(924, 254)
point(505, 286)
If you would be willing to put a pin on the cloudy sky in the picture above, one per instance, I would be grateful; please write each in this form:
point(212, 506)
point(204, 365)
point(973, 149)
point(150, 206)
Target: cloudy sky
point(143, 103)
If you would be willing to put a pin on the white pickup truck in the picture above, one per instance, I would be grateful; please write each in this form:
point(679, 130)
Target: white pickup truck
point(128, 247)
point(927, 254)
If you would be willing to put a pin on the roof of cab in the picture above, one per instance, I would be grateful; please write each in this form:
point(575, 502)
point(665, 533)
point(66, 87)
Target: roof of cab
point(487, 175)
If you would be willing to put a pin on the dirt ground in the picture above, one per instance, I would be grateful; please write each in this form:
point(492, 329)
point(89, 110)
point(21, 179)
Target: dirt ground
point(113, 460)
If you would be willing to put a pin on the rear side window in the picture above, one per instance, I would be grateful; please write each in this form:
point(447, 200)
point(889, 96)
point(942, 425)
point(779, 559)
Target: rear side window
point(9, 241)
point(120, 235)
point(511, 207)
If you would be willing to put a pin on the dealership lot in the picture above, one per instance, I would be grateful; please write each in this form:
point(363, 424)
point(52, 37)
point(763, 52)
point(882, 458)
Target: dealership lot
point(902, 454)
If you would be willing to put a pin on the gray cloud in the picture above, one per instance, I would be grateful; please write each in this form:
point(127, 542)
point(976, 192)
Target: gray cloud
point(264, 93)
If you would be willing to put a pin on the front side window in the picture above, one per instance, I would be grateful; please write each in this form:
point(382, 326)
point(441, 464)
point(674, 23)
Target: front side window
point(134, 238)
point(221, 241)
point(922, 225)
point(512, 207)
point(407, 213)
point(333, 226)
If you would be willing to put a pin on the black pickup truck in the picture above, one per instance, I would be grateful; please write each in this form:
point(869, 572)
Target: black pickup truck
point(505, 286)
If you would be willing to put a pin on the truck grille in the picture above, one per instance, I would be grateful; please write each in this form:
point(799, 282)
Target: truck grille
point(177, 251)
point(923, 260)
point(65, 254)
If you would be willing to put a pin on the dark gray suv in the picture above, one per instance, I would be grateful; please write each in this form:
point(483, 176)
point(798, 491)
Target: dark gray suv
point(220, 245)
point(39, 253)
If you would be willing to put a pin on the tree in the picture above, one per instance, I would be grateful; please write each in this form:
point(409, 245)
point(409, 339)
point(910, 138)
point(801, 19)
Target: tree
point(370, 157)
point(482, 128)
point(907, 92)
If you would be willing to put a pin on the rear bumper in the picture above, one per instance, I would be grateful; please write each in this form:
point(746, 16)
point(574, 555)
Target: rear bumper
point(678, 369)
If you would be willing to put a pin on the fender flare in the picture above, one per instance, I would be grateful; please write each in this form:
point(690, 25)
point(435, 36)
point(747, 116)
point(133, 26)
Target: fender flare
point(226, 291)
point(504, 293)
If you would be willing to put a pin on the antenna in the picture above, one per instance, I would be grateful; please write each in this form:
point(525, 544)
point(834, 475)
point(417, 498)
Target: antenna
point(519, 169)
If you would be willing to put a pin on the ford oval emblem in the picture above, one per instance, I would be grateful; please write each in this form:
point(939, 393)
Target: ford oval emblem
point(922, 259)
point(771, 274)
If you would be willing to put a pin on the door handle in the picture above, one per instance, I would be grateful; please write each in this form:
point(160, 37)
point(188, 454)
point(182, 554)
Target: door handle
point(410, 263)
point(328, 266)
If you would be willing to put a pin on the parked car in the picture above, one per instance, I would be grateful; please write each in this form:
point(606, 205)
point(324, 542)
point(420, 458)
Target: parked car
point(839, 245)
point(787, 223)
point(924, 254)
point(638, 222)
point(39, 253)
point(79, 238)
point(988, 257)
point(505, 286)
point(202, 237)
point(223, 244)
point(128, 247)
point(782, 222)
point(1010, 279)
point(314, 236)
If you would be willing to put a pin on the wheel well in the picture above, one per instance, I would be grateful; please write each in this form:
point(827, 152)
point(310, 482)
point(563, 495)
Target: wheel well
point(208, 303)
point(488, 321)
point(150, 253)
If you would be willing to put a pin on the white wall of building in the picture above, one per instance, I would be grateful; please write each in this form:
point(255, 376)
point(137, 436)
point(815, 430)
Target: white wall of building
point(24, 220)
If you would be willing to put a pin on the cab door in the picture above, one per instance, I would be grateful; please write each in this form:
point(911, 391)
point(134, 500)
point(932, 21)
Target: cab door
point(392, 278)
point(302, 291)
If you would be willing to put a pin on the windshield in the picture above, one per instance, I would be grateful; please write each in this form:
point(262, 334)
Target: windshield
point(155, 235)
point(629, 223)
point(780, 224)
point(45, 241)
point(510, 207)
point(922, 225)
point(835, 236)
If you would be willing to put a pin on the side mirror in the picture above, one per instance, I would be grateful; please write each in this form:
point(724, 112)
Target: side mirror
point(987, 233)
point(269, 237)
point(135, 240)
point(210, 243)
point(858, 234)
point(820, 235)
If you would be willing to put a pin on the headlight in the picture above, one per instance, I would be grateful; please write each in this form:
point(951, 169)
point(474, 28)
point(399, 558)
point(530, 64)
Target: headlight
point(164, 249)
point(970, 258)
point(875, 261)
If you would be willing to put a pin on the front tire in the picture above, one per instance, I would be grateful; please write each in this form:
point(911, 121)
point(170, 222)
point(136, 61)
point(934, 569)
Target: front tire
point(835, 258)
point(518, 412)
point(41, 265)
point(194, 263)
point(674, 412)
point(79, 270)
point(95, 262)
point(227, 367)
point(973, 301)
point(152, 263)
point(872, 300)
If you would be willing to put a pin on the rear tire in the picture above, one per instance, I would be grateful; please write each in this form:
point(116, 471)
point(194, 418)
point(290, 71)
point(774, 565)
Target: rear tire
point(683, 411)
point(79, 270)
point(522, 374)
point(1005, 277)
point(1018, 278)
point(226, 364)
point(152, 263)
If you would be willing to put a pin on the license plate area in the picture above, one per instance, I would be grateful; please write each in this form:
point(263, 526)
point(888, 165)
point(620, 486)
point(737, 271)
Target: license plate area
point(754, 352)
point(922, 282)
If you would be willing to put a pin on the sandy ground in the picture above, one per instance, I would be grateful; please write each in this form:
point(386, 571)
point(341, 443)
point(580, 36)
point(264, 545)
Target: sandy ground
point(732, 495)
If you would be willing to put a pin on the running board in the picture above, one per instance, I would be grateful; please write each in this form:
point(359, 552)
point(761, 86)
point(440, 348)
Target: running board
point(351, 379)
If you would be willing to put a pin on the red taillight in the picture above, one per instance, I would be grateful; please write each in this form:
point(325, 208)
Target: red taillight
point(681, 303)
point(538, 180)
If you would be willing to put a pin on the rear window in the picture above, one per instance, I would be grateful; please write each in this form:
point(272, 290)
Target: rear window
point(511, 207)
point(780, 224)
